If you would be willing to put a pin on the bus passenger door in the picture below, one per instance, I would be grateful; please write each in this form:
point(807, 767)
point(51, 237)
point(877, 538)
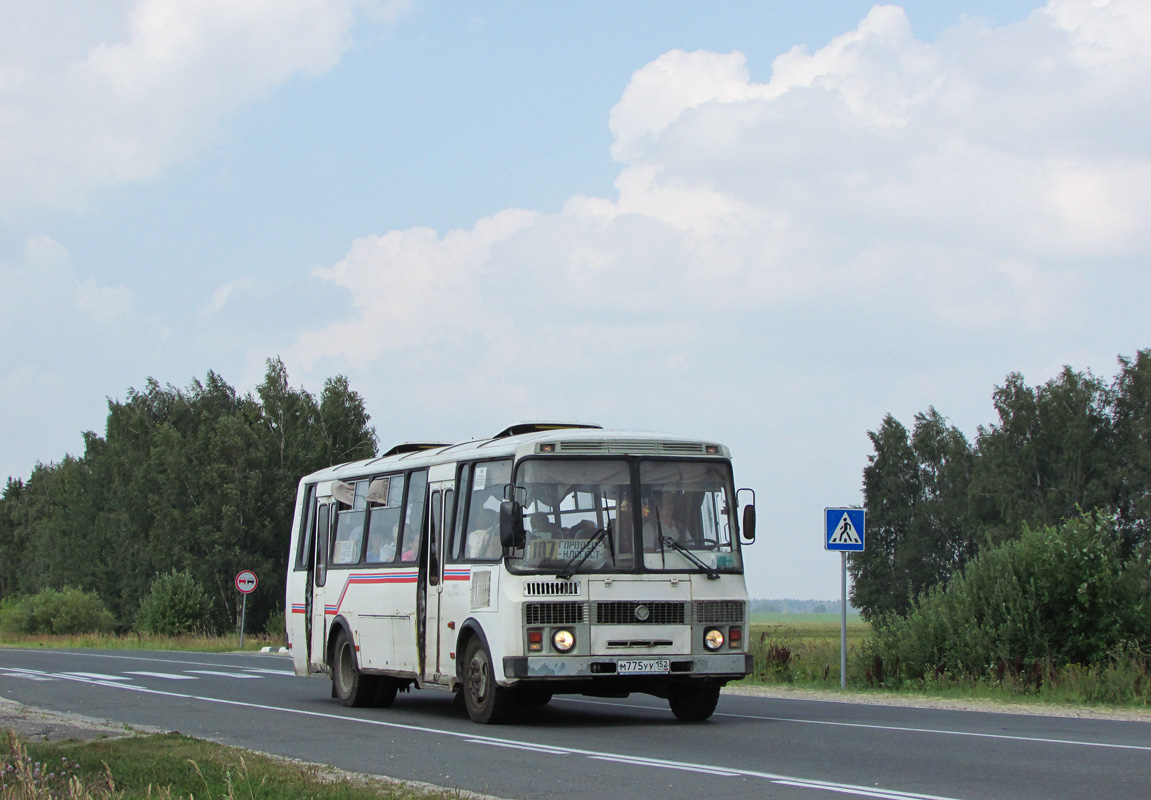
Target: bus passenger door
point(441, 503)
point(318, 627)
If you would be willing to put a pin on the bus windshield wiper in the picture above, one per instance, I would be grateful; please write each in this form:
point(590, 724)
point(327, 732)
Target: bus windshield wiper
point(712, 573)
point(584, 553)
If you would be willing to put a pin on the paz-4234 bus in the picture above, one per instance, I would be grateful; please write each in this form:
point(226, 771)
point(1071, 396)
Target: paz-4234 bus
point(551, 558)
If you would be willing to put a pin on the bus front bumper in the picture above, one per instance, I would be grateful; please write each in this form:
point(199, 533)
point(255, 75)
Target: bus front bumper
point(730, 666)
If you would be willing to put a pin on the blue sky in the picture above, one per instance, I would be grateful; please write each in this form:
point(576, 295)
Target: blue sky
point(764, 223)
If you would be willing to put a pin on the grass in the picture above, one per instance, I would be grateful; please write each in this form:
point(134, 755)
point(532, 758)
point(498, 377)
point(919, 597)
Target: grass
point(142, 641)
point(166, 766)
point(802, 650)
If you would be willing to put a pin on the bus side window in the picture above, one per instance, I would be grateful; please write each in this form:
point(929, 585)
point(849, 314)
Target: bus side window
point(487, 490)
point(307, 526)
point(384, 525)
point(455, 550)
point(414, 515)
point(350, 523)
point(435, 523)
point(322, 524)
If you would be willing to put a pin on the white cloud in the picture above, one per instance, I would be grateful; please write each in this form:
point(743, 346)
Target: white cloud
point(95, 95)
point(864, 170)
point(42, 291)
point(886, 223)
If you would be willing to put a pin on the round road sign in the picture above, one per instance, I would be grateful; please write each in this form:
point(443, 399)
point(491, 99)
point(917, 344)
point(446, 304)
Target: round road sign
point(246, 581)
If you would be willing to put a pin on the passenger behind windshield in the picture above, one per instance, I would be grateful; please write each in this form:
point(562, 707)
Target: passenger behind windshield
point(690, 504)
point(569, 503)
point(568, 509)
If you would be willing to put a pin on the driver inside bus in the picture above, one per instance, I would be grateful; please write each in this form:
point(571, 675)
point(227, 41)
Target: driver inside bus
point(661, 515)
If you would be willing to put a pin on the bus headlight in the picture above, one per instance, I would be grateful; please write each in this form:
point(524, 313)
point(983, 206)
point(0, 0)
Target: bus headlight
point(713, 638)
point(563, 640)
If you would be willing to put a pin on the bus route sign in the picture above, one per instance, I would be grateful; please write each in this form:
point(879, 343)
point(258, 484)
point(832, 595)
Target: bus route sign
point(246, 581)
point(844, 529)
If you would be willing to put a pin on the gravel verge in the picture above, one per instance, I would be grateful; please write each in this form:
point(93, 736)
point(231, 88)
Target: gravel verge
point(921, 701)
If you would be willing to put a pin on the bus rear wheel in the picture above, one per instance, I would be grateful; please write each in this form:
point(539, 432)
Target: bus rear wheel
point(693, 702)
point(486, 700)
point(350, 686)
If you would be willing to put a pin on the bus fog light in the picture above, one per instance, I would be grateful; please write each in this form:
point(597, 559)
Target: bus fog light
point(713, 639)
point(563, 640)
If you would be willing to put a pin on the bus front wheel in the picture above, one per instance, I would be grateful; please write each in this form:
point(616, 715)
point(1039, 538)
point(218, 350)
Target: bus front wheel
point(486, 700)
point(693, 702)
point(350, 686)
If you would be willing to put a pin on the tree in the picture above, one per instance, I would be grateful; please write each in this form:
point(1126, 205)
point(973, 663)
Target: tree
point(890, 486)
point(915, 491)
point(344, 422)
point(199, 481)
point(1131, 478)
point(1047, 458)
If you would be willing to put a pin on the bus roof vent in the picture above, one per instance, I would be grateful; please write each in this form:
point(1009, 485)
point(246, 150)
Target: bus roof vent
point(631, 447)
point(413, 447)
point(521, 428)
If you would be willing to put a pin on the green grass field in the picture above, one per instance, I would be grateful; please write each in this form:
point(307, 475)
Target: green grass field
point(168, 766)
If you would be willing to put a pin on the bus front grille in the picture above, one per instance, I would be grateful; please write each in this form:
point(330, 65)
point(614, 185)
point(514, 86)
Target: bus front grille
point(718, 612)
point(631, 612)
point(554, 613)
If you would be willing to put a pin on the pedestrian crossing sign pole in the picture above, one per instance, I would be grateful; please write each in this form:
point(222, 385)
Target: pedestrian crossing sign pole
point(843, 530)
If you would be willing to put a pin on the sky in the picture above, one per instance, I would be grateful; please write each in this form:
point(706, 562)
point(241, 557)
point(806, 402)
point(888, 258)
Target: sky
point(766, 224)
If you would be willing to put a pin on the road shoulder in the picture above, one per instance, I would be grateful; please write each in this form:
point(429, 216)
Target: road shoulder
point(920, 701)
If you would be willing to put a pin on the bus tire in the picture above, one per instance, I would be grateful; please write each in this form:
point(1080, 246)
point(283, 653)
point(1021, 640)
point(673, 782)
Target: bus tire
point(533, 696)
point(488, 703)
point(693, 702)
point(351, 687)
point(386, 689)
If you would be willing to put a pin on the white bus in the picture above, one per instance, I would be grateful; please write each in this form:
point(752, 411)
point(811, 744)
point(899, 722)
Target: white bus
point(551, 558)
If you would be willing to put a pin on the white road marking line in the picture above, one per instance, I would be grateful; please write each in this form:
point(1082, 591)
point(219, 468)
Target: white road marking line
point(126, 658)
point(903, 729)
point(900, 728)
point(873, 793)
point(98, 676)
point(842, 788)
point(171, 676)
point(269, 671)
point(27, 674)
point(534, 748)
point(222, 674)
point(649, 762)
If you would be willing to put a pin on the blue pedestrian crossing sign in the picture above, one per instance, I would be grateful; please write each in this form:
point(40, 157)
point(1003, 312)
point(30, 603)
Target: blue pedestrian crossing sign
point(843, 529)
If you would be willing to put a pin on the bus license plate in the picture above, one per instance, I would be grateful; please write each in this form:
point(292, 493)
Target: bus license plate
point(643, 666)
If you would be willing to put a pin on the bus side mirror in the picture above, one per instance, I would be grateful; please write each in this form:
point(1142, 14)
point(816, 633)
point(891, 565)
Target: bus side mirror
point(748, 527)
point(511, 524)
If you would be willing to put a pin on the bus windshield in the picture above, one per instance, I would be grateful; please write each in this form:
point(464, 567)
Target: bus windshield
point(584, 516)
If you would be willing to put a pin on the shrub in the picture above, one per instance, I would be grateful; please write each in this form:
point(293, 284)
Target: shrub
point(277, 624)
point(50, 611)
point(175, 604)
point(1059, 595)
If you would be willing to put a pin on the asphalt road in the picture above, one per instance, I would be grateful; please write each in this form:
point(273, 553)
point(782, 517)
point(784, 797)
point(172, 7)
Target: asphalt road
point(598, 749)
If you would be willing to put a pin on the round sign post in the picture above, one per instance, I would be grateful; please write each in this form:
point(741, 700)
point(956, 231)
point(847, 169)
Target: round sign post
point(245, 584)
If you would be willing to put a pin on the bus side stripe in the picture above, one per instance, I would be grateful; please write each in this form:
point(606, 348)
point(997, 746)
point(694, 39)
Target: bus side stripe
point(371, 578)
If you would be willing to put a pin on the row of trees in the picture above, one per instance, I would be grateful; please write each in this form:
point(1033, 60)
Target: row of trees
point(200, 480)
point(934, 500)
